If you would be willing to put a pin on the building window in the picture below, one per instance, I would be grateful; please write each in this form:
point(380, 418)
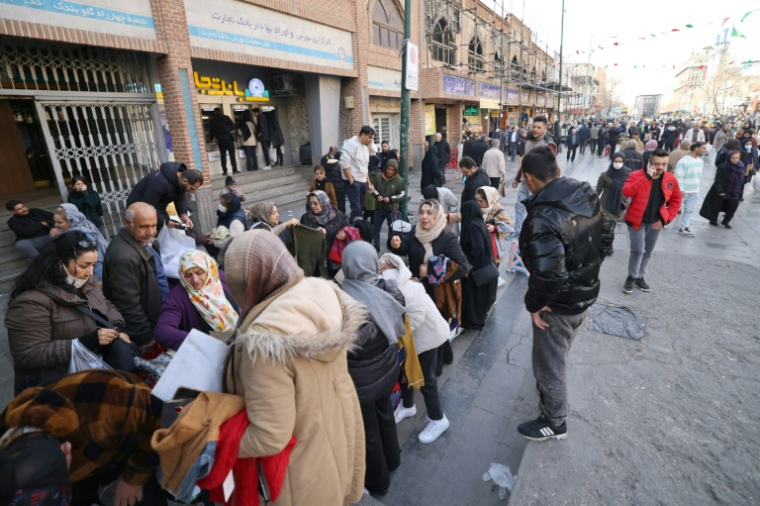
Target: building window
point(475, 55)
point(387, 25)
point(442, 46)
point(497, 63)
point(515, 69)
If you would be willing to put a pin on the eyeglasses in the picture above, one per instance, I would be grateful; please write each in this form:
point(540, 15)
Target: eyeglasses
point(87, 244)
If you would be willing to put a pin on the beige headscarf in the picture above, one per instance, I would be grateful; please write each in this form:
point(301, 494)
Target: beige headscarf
point(492, 197)
point(258, 268)
point(426, 237)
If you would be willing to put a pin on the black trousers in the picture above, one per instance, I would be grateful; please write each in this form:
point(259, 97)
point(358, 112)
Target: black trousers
point(381, 440)
point(583, 146)
point(669, 147)
point(340, 195)
point(86, 492)
point(495, 181)
point(729, 209)
point(602, 143)
point(428, 362)
point(265, 146)
point(280, 155)
point(592, 145)
point(571, 152)
point(251, 159)
point(445, 356)
point(224, 149)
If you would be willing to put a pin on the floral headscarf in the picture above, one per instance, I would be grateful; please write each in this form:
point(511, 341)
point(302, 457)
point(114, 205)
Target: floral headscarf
point(210, 301)
point(328, 211)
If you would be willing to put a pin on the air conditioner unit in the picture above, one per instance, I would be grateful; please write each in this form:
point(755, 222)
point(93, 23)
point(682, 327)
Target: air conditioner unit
point(286, 84)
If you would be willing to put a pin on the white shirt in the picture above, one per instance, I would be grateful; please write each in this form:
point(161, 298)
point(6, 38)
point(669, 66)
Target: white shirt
point(355, 157)
point(493, 163)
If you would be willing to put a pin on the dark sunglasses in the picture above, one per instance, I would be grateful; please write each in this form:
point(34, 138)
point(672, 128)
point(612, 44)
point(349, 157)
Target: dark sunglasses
point(87, 244)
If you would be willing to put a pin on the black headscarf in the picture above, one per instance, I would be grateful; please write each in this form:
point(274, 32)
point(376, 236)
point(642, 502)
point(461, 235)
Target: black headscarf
point(430, 173)
point(430, 192)
point(475, 240)
point(234, 212)
point(33, 471)
point(618, 178)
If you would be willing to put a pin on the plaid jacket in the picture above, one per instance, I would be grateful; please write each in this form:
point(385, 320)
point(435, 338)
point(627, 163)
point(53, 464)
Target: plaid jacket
point(108, 416)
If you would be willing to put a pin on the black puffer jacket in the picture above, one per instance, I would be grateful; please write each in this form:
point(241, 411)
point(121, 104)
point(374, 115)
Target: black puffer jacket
point(161, 188)
point(477, 180)
point(373, 365)
point(563, 242)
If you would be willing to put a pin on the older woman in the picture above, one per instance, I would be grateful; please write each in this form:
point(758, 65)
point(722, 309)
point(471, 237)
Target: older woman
point(68, 218)
point(290, 364)
point(495, 216)
point(264, 216)
point(373, 364)
point(201, 301)
point(320, 214)
point(427, 239)
point(44, 314)
point(476, 244)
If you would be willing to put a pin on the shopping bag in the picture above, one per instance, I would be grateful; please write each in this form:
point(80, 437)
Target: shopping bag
point(83, 359)
point(173, 243)
point(503, 188)
point(272, 154)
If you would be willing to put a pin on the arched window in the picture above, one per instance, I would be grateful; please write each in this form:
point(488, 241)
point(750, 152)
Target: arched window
point(475, 55)
point(441, 46)
point(387, 24)
point(497, 63)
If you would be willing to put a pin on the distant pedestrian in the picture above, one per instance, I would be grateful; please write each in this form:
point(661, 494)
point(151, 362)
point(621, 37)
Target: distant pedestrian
point(514, 134)
point(563, 243)
point(330, 162)
point(632, 158)
point(223, 130)
point(669, 137)
point(262, 135)
point(655, 201)
point(478, 150)
point(495, 165)
point(613, 138)
point(442, 154)
point(610, 190)
point(650, 146)
point(593, 138)
point(584, 133)
point(246, 131)
point(602, 143)
point(571, 143)
point(688, 171)
point(725, 192)
point(354, 162)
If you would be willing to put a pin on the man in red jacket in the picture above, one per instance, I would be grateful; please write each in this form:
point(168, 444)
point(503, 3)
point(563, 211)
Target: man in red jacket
point(655, 201)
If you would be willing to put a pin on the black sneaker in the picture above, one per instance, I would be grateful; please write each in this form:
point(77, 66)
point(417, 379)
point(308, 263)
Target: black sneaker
point(541, 430)
point(628, 285)
point(642, 285)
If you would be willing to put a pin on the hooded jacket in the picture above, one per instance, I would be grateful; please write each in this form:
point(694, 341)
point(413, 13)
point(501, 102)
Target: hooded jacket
point(161, 188)
point(389, 187)
point(563, 242)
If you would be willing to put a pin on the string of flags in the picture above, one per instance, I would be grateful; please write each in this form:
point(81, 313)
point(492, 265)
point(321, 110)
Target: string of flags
point(744, 64)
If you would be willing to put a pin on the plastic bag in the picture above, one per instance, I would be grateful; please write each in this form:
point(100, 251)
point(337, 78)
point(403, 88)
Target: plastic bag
point(83, 359)
point(502, 477)
point(272, 154)
point(173, 243)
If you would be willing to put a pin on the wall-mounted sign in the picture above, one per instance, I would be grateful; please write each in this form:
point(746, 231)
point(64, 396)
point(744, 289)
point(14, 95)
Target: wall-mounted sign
point(256, 88)
point(115, 17)
point(245, 28)
point(486, 90)
point(217, 87)
point(412, 66)
point(495, 114)
point(471, 110)
point(489, 103)
point(512, 95)
point(430, 119)
point(383, 79)
point(458, 85)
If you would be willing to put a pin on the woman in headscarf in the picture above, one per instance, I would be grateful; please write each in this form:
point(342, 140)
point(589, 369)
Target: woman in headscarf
point(650, 146)
point(610, 189)
point(231, 216)
point(725, 191)
point(289, 362)
point(264, 216)
point(320, 214)
point(476, 244)
point(751, 161)
point(373, 363)
point(87, 202)
point(428, 239)
point(201, 301)
point(495, 217)
point(430, 332)
point(430, 172)
point(68, 218)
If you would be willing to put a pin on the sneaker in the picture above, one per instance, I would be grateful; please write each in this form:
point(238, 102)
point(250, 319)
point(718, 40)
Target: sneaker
point(541, 430)
point(405, 412)
point(433, 430)
point(628, 285)
point(500, 283)
point(686, 232)
point(642, 285)
point(267, 167)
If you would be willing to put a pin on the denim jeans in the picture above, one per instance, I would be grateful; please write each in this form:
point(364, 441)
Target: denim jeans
point(520, 212)
point(31, 247)
point(357, 194)
point(689, 203)
point(380, 218)
point(512, 150)
point(550, 349)
point(642, 242)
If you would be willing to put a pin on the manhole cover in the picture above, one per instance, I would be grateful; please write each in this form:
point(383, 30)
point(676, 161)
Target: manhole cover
point(616, 321)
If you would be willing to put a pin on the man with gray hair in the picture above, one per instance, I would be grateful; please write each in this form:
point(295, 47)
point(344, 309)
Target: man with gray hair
point(494, 164)
point(442, 152)
point(133, 274)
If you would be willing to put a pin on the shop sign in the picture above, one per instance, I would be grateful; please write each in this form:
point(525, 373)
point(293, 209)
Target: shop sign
point(126, 19)
point(458, 85)
point(495, 114)
point(412, 66)
point(471, 110)
point(214, 86)
point(245, 28)
point(429, 120)
point(489, 103)
point(486, 90)
point(383, 79)
point(512, 95)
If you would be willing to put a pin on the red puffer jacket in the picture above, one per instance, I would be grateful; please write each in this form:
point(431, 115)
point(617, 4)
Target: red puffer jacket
point(637, 187)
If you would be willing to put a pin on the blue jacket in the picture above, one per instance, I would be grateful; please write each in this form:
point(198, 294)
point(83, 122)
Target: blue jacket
point(584, 134)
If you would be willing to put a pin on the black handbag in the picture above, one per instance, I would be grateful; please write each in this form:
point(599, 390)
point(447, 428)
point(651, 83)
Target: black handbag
point(119, 354)
point(484, 275)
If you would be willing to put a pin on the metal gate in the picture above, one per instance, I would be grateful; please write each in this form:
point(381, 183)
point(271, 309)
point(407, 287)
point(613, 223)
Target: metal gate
point(112, 143)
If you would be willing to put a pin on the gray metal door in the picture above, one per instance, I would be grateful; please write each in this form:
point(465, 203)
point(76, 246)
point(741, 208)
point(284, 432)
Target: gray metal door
point(112, 143)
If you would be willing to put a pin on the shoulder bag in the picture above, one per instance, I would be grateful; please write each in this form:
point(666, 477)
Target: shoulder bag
point(484, 275)
point(119, 354)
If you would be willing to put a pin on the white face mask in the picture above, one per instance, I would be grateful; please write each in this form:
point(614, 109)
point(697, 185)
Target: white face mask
point(72, 280)
point(617, 165)
point(222, 209)
point(671, 128)
point(748, 147)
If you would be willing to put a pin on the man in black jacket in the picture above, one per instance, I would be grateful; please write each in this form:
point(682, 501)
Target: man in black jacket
point(262, 134)
point(613, 137)
point(478, 150)
point(476, 178)
point(34, 227)
point(168, 185)
point(563, 242)
point(632, 158)
point(223, 130)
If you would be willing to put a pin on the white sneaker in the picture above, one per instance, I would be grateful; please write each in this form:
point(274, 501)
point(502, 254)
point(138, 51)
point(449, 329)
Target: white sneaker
point(433, 430)
point(405, 412)
point(267, 168)
point(501, 282)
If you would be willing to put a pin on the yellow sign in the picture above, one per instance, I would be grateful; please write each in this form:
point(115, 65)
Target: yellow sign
point(489, 103)
point(215, 86)
point(429, 120)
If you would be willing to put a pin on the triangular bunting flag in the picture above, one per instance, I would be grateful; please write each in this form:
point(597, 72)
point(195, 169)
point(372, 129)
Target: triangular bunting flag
point(675, 30)
point(689, 26)
point(736, 33)
point(745, 16)
point(724, 21)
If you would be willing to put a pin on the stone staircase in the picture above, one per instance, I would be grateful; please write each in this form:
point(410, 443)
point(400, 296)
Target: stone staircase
point(286, 186)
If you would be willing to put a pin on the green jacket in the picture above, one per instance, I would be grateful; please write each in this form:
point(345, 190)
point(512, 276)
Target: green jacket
point(392, 188)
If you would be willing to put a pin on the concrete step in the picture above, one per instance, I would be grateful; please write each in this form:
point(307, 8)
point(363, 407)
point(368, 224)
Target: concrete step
point(8, 278)
point(217, 182)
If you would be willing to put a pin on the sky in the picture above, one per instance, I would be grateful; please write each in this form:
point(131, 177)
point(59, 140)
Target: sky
point(590, 23)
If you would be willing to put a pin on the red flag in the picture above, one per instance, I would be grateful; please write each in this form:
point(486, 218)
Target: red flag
point(731, 63)
point(675, 30)
point(724, 21)
point(674, 67)
point(615, 44)
point(614, 64)
point(701, 66)
point(576, 52)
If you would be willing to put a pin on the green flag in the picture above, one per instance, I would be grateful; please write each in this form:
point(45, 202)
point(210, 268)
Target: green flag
point(737, 33)
point(689, 26)
point(745, 16)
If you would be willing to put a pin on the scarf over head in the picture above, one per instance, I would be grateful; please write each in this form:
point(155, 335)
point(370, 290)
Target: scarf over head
point(210, 301)
point(234, 212)
point(261, 213)
point(426, 237)
point(78, 221)
point(328, 212)
point(360, 268)
point(618, 178)
point(259, 268)
point(492, 197)
point(430, 192)
point(738, 178)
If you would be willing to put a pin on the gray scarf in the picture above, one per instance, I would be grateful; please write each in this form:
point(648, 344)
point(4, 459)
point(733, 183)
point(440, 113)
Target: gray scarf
point(360, 268)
